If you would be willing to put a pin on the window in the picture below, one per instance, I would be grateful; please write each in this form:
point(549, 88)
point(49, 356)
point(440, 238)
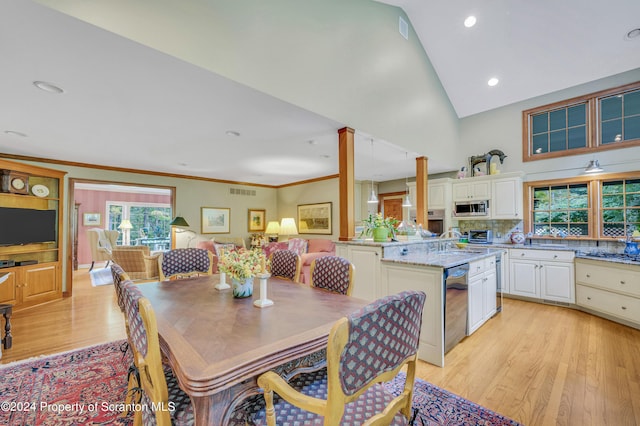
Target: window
point(602, 120)
point(561, 210)
point(620, 207)
point(150, 223)
point(594, 207)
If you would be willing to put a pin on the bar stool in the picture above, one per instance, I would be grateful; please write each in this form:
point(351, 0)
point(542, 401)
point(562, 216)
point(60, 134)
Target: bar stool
point(6, 311)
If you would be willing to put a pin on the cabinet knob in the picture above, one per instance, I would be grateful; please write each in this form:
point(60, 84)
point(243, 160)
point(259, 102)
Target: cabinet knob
point(555, 256)
point(588, 276)
point(622, 282)
point(522, 254)
point(588, 298)
point(541, 266)
point(624, 308)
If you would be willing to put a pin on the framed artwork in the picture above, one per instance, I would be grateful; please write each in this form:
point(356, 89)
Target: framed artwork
point(314, 218)
point(215, 220)
point(256, 220)
point(91, 219)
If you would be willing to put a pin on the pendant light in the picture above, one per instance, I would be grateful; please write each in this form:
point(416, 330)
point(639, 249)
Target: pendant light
point(407, 200)
point(373, 198)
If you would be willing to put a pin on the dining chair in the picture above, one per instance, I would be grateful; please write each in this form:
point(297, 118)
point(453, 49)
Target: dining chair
point(285, 264)
point(332, 273)
point(365, 349)
point(184, 263)
point(160, 388)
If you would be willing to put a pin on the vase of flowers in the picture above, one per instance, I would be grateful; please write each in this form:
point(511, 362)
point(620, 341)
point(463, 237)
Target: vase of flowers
point(379, 227)
point(241, 266)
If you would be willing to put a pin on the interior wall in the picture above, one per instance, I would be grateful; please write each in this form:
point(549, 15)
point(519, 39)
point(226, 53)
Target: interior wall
point(501, 128)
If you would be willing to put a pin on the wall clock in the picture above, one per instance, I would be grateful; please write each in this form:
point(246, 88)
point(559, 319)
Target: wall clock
point(15, 182)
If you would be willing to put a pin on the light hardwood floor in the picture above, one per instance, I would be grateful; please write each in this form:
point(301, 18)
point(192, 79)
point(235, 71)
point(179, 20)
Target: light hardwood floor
point(537, 364)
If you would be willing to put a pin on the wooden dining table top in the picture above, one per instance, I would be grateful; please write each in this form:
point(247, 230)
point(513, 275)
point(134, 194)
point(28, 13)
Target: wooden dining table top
point(214, 341)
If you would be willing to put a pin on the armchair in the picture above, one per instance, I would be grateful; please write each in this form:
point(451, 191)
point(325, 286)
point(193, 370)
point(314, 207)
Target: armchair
point(101, 243)
point(136, 261)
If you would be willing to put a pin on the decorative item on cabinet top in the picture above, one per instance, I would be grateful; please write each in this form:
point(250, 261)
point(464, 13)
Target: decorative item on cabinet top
point(474, 160)
point(15, 182)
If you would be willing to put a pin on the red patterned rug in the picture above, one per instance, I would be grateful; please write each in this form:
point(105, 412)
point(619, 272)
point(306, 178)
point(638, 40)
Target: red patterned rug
point(83, 387)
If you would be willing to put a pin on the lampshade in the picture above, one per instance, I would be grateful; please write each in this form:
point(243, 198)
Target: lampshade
point(273, 228)
point(593, 167)
point(373, 198)
point(407, 201)
point(288, 226)
point(125, 224)
point(179, 221)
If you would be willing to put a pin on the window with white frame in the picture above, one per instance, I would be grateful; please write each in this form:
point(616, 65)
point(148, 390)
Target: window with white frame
point(149, 223)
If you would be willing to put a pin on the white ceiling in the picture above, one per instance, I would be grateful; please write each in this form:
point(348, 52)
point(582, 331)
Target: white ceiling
point(125, 105)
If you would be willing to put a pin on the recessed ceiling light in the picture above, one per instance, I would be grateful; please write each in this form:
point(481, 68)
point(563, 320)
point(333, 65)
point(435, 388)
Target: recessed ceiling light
point(48, 87)
point(493, 81)
point(232, 133)
point(470, 21)
point(634, 33)
point(312, 142)
point(325, 156)
point(14, 133)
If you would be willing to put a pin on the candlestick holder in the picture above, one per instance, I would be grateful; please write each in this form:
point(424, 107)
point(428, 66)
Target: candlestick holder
point(263, 302)
point(222, 285)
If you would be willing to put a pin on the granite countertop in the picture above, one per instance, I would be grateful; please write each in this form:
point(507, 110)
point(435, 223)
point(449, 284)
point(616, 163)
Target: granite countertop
point(443, 259)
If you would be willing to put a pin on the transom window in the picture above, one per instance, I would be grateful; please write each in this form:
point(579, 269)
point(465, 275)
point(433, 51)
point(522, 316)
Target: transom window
point(602, 120)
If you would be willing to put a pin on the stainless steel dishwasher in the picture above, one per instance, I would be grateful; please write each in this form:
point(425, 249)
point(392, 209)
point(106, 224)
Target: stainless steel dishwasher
point(456, 304)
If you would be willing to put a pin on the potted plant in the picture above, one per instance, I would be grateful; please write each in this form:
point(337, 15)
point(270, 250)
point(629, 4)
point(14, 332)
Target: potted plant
point(379, 227)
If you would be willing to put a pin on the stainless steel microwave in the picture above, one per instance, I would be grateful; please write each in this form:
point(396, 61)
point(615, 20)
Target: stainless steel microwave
point(481, 236)
point(471, 208)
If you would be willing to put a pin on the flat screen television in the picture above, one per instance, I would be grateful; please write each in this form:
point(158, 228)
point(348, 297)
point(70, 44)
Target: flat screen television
point(26, 226)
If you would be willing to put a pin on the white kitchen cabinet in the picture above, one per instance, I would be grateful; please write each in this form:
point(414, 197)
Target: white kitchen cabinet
point(366, 260)
point(471, 189)
point(506, 202)
point(609, 289)
point(542, 274)
point(482, 292)
point(397, 278)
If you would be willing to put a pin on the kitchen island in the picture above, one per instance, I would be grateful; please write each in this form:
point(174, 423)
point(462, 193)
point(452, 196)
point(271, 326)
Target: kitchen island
point(388, 268)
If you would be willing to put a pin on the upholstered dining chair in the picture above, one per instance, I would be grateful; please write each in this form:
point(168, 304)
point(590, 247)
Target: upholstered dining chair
point(285, 264)
point(185, 262)
point(159, 386)
point(332, 273)
point(352, 392)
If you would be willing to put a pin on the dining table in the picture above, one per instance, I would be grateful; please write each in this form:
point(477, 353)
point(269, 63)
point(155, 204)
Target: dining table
point(218, 345)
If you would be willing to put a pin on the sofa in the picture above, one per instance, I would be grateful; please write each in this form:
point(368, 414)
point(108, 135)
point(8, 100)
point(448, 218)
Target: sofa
point(220, 243)
point(308, 250)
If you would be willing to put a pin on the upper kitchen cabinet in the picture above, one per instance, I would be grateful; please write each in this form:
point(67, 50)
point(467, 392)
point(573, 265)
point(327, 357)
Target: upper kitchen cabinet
point(471, 189)
point(507, 198)
point(439, 193)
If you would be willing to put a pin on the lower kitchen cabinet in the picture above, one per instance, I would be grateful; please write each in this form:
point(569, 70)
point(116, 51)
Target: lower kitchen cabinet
point(609, 289)
point(542, 274)
point(482, 292)
point(24, 286)
point(366, 261)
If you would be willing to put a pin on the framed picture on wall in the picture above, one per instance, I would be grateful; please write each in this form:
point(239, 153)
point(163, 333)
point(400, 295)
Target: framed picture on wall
point(91, 219)
point(314, 218)
point(256, 220)
point(215, 220)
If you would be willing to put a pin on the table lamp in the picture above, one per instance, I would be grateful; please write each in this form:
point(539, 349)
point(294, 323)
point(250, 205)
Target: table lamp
point(287, 228)
point(273, 229)
point(177, 223)
point(125, 226)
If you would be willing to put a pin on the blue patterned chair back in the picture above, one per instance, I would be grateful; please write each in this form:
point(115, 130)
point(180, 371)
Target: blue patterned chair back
point(332, 273)
point(382, 335)
point(185, 262)
point(285, 264)
point(119, 276)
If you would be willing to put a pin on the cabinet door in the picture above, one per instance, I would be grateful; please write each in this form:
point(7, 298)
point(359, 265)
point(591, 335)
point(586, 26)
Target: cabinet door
point(437, 196)
point(557, 281)
point(366, 261)
point(507, 199)
point(481, 190)
point(461, 191)
point(476, 303)
point(489, 294)
point(39, 283)
point(8, 292)
point(524, 274)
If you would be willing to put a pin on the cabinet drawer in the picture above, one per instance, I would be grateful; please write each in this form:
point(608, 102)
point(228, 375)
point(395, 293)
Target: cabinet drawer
point(619, 305)
point(609, 277)
point(482, 265)
point(558, 255)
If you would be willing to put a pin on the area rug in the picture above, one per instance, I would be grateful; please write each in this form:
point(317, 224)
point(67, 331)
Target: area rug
point(83, 387)
point(101, 277)
point(435, 406)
